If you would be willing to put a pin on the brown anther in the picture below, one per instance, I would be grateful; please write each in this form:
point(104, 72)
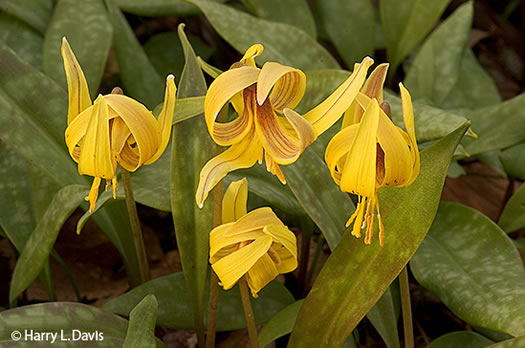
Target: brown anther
point(386, 108)
point(117, 90)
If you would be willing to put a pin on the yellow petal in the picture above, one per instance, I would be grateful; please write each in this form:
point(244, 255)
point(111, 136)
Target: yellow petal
point(221, 91)
point(408, 120)
point(283, 236)
point(143, 127)
point(288, 260)
point(76, 130)
point(77, 87)
point(96, 158)
point(234, 201)
point(243, 154)
point(261, 273)
point(165, 118)
point(273, 167)
point(119, 135)
point(231, 268)
point(353, 115)
point(251, 53)
point(373, 87)
point(288, 86)
point(324, 115)
point(337, 150)
point(360, 176)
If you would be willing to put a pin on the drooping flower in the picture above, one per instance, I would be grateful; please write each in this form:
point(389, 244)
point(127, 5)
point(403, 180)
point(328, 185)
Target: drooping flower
point(371, 152)
point(256, 245)
point(263, 99)
point(115, 129)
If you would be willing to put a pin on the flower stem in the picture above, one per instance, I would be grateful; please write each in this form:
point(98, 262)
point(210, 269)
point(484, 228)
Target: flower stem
point(406, 307)
point(136, 230)
point(248, 313)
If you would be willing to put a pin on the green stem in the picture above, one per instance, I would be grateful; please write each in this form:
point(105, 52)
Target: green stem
point(248, 313)
point(406, 307)
point(136, 231)
point(313, 268)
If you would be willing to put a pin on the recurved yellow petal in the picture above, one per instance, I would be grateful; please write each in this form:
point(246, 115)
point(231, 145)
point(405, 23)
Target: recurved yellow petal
point(337, 149)
point(96, 158)
point(261, 273)
point(243, 154)
point(361, 180)
point(76, 130)
point(324, 115)
point(288, 86)
point(234, 201)
point(221, 91)
point(251, 53)
point(408, 120)
point(77, 87)
point(165, 119)
point(282, 236)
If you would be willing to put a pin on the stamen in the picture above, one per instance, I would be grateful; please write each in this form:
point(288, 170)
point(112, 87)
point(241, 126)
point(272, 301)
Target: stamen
point(114, 181)
point(93, 194)
point(381, 227)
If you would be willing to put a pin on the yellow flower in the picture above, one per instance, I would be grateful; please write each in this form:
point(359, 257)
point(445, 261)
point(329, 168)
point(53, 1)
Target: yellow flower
point(256, 245)
point(114, 129)
point(371, 152)
point(263, 99)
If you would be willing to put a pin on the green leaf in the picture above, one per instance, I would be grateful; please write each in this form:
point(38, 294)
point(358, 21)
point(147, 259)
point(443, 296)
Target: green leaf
point(56, 316)
point(312, 185)
point(513, 216)
point(22, 39)
point(141, 328)
point(493, 160)
point(342, 20)
point(154, 8)
point(436, 67)
point(406, 23)
point(319, 85)
point(85, 25)
point(431, 123)
point(513, 159)
point(281, 42)
point(498, 126)
point(36, 250)
point(139, 78)
point(191, 148)
point(281, 324)
point(512, 343)
point(175, 309)
point(474, 88)
point(293, 12)
point(473, 267)
point(35, 13)
point(460, 339)
point(383, 317)
point(356, 275)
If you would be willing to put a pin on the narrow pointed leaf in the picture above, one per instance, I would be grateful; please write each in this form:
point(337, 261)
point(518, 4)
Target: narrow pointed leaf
point(139, 78)
point(511, 343)
point(38, 247)
point(35, 13)
point(472, 266)
point(158, 7)
point(85, 24)
point(513, 216)
point(436, 67)
point(281, 324)
point(191, 148)
point(175, 309)
point(21, 38)
point(513, 160)
point(281, 41)
point(460, 339)
point(141, 328)
point(346, 289)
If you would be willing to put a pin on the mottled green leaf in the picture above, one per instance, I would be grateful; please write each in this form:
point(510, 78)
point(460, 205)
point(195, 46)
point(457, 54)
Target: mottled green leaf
point(513, 216)
point(139, 78)
point(319, 196)
point(342, 20)
point(493, 160)
point(293, 12)
point(383, 317)
point(281, 42)
point(69, 320)
point(473, 267)
point(346, 288)
point(35, 13)
point(85, 25)
point(36, 250)
point(141, 328)
point(436, 67)
point(158, 7)
point(513, 159)
point(511, 343)
point(281, 324)
point(460, 339)
point(191, 148)
point(175, 309)
point(498, 126)
point(406, 23)
point(474, 88)
point(21, 38)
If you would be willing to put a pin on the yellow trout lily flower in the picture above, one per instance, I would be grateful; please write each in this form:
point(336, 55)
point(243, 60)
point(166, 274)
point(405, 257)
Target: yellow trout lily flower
point(263, 99)
point(256, 245)
point(114, 129)
point(370, 152)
